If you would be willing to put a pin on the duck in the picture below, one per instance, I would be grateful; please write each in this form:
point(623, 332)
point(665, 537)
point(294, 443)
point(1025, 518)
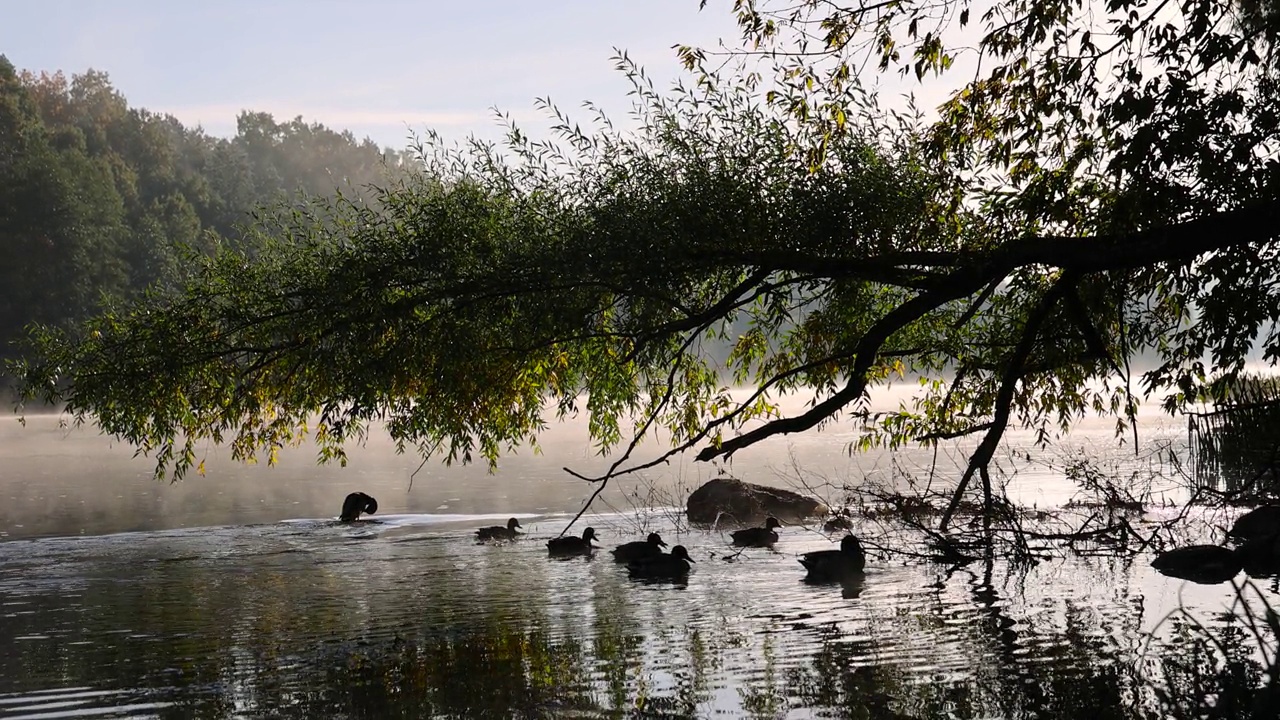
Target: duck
point(675, 565)
point(356, 503)
point(835, 565)
point(498, 532)
point(1261, 556)
point(1204, 564)
point(638, 550)
point(757, 536)
point(836, 524)
point(573, 545)
point(1260, 522)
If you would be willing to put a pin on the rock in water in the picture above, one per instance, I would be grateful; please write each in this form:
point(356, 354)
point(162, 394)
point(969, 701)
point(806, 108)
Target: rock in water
point(1204, 564)
point(746, 503)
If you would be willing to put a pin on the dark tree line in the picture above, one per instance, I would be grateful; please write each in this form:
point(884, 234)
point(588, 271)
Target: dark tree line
point(101, 200)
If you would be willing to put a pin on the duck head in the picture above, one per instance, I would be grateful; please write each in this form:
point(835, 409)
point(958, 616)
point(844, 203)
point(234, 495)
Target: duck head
point(850, 546)
point(370, 505)
point(679, 552)
point(513, 523)
point(589, 534)
point(772, 523)
point(655, 539)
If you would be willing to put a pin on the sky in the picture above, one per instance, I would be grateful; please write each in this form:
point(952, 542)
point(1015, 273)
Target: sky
point(381, 68)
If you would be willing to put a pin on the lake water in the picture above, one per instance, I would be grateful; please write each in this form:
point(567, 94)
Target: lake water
point(237, 595)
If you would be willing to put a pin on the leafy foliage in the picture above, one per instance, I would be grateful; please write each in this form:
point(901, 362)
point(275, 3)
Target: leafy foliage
point(1101, 186)
point(461, 300)
point(1082, 120)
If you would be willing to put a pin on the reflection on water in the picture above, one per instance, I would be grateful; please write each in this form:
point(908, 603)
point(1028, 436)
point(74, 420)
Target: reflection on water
point(411, 618)
point(236, 595)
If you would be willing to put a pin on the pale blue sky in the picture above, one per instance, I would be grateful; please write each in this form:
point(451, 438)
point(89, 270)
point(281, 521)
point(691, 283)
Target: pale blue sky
point(377, 67)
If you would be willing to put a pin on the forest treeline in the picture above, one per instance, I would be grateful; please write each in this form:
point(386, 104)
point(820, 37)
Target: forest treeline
point(100, 200)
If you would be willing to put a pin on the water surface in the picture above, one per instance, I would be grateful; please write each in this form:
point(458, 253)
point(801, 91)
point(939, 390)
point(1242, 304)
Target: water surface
point(237, 595)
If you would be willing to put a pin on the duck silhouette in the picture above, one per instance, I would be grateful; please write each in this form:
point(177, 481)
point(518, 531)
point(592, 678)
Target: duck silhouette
point(1260, 522)
point(835, 565)
point(639, 550)
point(499, 532)
point(675, 565)
point(836, 524)
point(757, 536)
point(567, 546)
point(356, 503)
point(1261, 556)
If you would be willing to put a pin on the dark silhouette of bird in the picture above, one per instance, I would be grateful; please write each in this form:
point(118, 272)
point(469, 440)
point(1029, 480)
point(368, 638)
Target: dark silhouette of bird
point(836, 524)
point(498, 532)
point(564, 546)
point(757, 536)
point(836, 565)
point(638, 550)
point(673, 566)
point(1261, 556)
point(356, 503)
point(1204, 564)
point(1259, 522)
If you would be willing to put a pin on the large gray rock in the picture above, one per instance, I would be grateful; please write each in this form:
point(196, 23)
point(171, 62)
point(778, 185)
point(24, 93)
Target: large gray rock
point(726, 498)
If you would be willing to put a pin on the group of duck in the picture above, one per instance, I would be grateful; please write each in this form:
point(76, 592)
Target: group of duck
point(645, 559)
point(1256, 550)
point(1255, 537)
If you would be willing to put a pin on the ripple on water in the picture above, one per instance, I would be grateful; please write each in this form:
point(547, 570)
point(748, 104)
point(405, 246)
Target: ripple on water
point(76, 702)
point(314, 618)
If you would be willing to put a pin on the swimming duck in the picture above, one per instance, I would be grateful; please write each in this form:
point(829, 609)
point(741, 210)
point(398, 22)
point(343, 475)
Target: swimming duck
point(1261, 556)
point(757, 536)
point(356, 503)
point(836, 524)
point(1259, 522)
point(638, 550)
point(834, 565)
point(675, 565)
point(498, 532)
point(573, 545)
point(1204, 564)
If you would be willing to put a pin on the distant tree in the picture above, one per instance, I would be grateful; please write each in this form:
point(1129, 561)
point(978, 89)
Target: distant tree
point(105, 201)
point(61, 219)
point(297, 156)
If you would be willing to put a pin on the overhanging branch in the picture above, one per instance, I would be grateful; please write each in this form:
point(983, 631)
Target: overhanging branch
point(981, 457)
point(1179, 242)
point(867, 350)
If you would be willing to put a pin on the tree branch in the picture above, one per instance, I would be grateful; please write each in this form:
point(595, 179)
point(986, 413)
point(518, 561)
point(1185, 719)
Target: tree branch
point(1008, 382)
point(962, 283)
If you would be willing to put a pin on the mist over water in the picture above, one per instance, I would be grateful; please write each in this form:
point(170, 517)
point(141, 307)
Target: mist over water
point(237, 595)
point(60, 480)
